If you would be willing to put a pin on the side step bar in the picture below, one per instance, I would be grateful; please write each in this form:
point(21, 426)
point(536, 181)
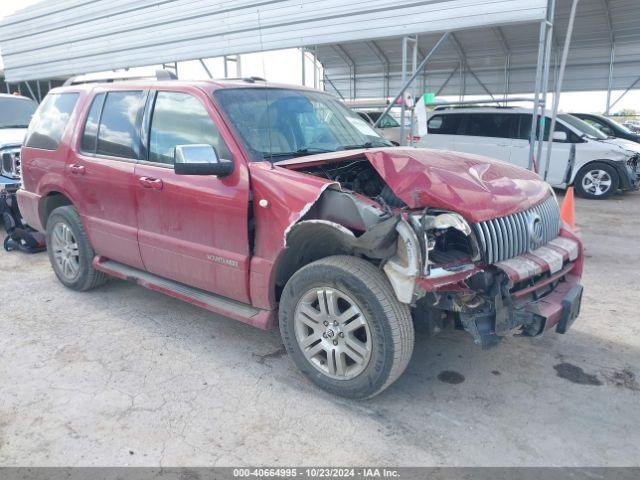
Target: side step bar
point(264, 319)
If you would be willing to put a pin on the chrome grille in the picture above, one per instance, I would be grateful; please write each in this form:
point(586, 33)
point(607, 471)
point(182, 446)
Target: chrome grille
point(10, 162)
point(510, 236)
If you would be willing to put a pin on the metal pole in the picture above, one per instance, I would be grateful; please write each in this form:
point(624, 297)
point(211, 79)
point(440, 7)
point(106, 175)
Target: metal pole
point(507, 70)
point(206, 69)
point(414, 61)
point(39, 90)
point(442, 87)
point(315, 66)
point(545, 77)
point(612, 55)
point(536, 94)
point(626, 91)
point(304, 76)
point(424, 62)
point(404, 79)
point(33, 95)
point(556, 99)
point(6, 84)
point(226, 68)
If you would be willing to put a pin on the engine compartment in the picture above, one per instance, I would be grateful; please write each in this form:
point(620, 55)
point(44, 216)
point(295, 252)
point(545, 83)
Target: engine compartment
point(358, 176)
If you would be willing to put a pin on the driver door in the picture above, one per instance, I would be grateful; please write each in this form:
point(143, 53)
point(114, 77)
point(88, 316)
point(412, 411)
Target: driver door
point(192, 229)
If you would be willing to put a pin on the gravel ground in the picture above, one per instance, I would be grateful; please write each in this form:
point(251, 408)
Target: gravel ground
point(126, 376)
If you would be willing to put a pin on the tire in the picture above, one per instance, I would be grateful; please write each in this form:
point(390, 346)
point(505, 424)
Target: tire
point(591, 180)
point(374, 332)
point(70, 251)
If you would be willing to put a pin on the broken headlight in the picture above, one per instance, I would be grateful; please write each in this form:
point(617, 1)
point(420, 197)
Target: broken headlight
point(447, 239)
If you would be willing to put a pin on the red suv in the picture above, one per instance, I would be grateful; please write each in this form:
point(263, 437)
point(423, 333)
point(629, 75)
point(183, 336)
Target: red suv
point(270, 203)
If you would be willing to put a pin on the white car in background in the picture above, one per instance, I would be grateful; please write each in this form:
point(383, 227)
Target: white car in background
point(15, 114)
point(598, 170)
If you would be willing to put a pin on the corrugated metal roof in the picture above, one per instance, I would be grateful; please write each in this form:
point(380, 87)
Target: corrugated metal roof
point(358, 37)
point(79, 36)
point(587, 68)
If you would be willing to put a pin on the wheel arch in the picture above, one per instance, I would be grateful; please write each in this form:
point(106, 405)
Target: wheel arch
point(50, 201)
point(608, 162)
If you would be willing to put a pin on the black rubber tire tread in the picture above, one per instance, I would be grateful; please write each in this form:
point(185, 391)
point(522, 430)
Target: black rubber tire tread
point(89, 278)
point(613, 173)
point(395, 316)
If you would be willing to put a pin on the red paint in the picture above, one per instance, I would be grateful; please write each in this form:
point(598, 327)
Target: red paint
point(476, 187)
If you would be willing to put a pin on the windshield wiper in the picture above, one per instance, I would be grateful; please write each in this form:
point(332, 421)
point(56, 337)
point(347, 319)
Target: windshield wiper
point(298, 153)
point(365, 145)
point(14, 126)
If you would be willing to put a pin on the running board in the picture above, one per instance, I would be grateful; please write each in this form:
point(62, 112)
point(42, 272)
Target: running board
point(264, 319)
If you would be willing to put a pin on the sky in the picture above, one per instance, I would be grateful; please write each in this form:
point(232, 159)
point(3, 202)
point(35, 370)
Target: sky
point(284, 66)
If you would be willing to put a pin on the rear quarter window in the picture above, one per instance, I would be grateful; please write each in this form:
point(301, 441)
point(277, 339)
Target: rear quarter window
point(50, 121)
point(444, 124)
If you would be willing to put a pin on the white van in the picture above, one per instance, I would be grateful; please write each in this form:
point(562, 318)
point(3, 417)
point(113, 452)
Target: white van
point(598, 170)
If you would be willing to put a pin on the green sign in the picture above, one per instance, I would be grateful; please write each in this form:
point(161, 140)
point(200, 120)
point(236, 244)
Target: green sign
point(429, 97)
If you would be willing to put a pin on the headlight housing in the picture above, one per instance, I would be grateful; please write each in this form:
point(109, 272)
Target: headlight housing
point(447, 239)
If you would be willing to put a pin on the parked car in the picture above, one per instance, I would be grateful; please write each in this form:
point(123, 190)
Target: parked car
point(15, 114)
point(608, 126)
point(598, 170)
point(262, 201)
point(388, 127)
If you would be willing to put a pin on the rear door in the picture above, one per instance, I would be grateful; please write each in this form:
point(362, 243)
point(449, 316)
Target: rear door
point(192, 229)
point(489, 134)
point(102, 172)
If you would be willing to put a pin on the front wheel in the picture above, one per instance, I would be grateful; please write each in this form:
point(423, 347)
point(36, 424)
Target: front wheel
point(344, 328)
point(597, 181)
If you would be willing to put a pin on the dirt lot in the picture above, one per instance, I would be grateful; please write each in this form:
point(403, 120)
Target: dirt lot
point(126, 376)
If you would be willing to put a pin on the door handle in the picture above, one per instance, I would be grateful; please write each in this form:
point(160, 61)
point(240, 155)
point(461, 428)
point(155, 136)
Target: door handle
point(148, 182)
point(76, 169)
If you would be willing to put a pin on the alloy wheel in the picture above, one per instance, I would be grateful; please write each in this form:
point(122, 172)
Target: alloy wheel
point(65, 251)
point(596, 182)
point(333, 333)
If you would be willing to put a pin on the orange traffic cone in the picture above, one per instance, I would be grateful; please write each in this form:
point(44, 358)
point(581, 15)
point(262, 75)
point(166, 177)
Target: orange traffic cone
point(568, 209)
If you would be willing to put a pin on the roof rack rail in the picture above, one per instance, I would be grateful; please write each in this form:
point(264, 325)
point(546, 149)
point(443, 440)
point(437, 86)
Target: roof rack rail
point(471, 103)
point(158, 75)
point(252, 79)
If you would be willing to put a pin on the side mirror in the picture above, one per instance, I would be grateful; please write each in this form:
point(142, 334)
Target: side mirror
point(560, 136)
point(200, 160)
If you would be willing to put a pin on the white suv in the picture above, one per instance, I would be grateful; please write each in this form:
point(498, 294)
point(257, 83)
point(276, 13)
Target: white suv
point(15, 114)
point(598, 170)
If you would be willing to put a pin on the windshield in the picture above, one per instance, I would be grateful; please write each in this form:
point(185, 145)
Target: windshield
point(16, 112)
point(276, 124)
point(583, 127)
point(387, 121)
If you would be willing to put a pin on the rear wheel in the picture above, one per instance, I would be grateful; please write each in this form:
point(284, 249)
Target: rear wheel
point(344, 328)
point(597, 181)
point(70, 252)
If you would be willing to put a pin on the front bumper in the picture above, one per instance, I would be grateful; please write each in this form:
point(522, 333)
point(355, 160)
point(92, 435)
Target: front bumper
point(525, 295)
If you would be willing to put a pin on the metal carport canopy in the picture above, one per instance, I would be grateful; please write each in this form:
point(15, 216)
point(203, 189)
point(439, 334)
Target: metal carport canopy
point(606, 39)
point(67, 37)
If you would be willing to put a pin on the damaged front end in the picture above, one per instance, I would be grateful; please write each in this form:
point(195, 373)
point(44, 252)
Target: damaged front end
point(493, 272)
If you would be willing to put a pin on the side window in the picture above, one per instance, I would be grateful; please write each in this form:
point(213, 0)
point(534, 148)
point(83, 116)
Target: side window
point(50, 121)
point(494, 125)
point(89, 140)
point(118, 133)
point(444, 124)
point(181, 119)
point(525, 129)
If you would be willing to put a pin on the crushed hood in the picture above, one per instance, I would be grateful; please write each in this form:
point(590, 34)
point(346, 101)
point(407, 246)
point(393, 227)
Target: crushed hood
point(476, 187)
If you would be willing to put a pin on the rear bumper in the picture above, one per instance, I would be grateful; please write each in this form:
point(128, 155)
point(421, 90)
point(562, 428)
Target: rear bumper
point(29, 204)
